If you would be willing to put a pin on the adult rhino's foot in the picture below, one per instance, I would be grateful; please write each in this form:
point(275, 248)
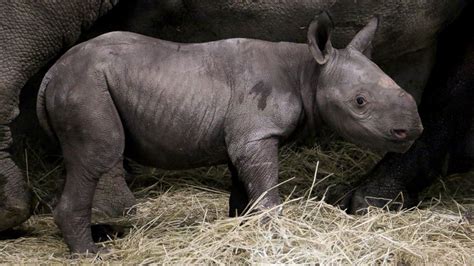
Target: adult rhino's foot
point(386, 186)
point(15, 197)
point(461, 156)
point(382, 196)
point(112, 196)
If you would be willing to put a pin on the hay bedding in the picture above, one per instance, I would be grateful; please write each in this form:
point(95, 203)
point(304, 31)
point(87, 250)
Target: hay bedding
point(182, 218)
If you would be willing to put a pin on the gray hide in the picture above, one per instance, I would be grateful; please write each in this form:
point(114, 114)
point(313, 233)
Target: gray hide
point(235, 101)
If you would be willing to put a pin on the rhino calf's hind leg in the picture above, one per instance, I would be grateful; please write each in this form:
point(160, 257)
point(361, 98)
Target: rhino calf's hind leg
point(93, 144)
point(112, 196)
point(461, 154)
point(73, 212)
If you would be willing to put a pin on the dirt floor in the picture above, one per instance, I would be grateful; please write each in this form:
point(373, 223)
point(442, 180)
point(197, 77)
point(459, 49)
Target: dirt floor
point(182, 218)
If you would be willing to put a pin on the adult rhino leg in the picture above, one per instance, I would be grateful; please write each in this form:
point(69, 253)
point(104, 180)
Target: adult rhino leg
point(112, 196)
point(461, 154)
point(388, 182)
point(15, 197)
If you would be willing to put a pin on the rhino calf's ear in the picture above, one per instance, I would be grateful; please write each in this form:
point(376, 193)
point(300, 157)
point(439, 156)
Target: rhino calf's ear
point(319, 38)
point(362, 42)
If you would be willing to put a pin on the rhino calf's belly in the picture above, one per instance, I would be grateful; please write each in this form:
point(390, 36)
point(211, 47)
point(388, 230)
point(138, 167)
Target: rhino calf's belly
point(176, 150)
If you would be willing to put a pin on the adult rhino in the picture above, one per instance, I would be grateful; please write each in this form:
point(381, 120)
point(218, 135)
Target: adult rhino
point(35, 32)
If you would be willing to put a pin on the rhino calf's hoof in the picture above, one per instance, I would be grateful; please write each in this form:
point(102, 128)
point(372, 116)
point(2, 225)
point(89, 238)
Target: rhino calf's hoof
point(76, 229)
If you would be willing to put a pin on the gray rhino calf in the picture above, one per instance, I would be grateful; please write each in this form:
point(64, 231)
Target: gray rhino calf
point(177, 106)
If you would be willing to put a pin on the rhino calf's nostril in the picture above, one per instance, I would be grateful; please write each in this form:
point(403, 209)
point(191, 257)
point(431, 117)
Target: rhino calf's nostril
point(400, 133)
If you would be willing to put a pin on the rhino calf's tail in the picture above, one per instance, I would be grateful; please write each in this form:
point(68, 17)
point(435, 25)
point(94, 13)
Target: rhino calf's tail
point(41, 111)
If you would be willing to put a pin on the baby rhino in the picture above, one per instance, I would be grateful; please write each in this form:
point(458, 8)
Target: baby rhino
point(178, 106)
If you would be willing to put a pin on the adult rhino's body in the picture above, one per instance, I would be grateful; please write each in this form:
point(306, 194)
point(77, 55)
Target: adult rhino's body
point(34, 32)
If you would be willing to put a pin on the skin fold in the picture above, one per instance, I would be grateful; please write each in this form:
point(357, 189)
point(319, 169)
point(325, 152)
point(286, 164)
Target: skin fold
point(235, 101)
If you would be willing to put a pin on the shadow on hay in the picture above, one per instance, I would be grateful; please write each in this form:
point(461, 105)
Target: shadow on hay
point(13, 234)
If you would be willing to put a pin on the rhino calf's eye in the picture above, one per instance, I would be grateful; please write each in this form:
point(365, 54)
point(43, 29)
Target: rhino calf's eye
point(360, 101)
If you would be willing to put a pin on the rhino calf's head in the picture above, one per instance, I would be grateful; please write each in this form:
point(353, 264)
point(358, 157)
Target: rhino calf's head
point(355, 97)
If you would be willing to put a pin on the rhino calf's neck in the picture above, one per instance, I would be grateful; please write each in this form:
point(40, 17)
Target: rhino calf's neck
point(176, 106)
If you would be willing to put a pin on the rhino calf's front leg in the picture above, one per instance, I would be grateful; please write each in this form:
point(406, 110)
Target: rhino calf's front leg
point(256, 171)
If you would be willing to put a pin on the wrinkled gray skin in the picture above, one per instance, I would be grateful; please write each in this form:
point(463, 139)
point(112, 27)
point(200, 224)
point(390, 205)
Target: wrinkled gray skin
point(34, 32)
point(235, 101)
